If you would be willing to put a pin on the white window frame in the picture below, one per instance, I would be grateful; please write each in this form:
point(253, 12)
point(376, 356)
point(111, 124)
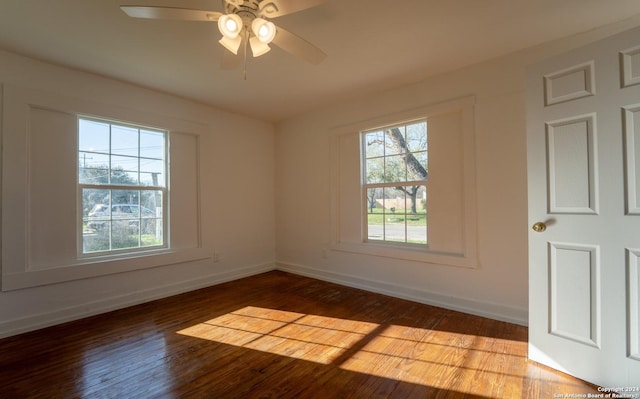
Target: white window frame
point(404, 183)
point(115, 253)
point(342, 203)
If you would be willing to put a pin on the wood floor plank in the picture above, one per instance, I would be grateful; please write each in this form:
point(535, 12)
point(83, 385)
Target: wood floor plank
point(278, 335)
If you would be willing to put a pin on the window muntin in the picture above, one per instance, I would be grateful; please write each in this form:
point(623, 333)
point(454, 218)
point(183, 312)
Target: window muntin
point(394, 183)
point(122, 183)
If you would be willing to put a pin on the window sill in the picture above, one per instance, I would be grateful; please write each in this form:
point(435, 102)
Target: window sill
point(414, 253)
point(100, 266)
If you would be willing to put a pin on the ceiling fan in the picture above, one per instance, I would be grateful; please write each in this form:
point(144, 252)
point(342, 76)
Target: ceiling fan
point(244, 23)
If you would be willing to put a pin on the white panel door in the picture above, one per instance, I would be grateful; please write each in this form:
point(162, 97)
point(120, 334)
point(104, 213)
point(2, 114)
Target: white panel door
point(583, 149)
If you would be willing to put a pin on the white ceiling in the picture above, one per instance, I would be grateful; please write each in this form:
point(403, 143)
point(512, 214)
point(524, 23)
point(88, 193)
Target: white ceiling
point(372, 45)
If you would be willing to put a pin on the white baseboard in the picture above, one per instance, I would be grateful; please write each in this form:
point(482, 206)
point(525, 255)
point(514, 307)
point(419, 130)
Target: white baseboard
point(485, 309)
point(42, 320)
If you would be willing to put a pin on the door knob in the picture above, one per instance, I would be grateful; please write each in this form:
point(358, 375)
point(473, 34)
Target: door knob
point(539, 227)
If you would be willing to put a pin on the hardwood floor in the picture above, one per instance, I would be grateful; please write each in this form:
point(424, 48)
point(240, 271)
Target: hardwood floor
point(278, 335)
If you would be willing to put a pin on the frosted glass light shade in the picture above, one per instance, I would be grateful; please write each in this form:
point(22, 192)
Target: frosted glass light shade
point(230, 25)
point(231, 44)
point(258, 48)
point(264, 30)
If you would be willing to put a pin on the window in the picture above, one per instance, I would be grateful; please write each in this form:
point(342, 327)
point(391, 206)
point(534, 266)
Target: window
point(403, 185)
point(66, 165)
point(395, 172)
point(122, 180)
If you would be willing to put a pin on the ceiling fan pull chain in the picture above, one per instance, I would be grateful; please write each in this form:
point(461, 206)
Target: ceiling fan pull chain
point(246, 39)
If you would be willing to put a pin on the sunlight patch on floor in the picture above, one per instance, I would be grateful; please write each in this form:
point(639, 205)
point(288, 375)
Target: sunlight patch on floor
point(439, 358)
point(411, 354)
point(314, 338)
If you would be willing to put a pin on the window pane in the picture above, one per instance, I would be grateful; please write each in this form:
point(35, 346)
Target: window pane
point(375, 170)
point(93, 160)
point(152, 172)
point(124, 234)
point(375, 214)
point(151, 201)
point(394, 205)
point(124, 140)
point(393, 200)
point(124, 163)
point(95, 208)
point(124, 178)
point(151, 233)
point(394, 141)
point(151, 144)
point(416, 137)
point(417, 167)
point(93, 136)
point(417, 215)
point(394, 169)
point(151, 218)
point(93, 168)
point(97, 240)
point(374, 144)
point(124, 170)
point(119, 198)
point(96, 220)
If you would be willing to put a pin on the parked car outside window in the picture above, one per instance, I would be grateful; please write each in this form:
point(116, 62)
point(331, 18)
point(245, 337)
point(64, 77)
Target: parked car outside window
point(99, 216)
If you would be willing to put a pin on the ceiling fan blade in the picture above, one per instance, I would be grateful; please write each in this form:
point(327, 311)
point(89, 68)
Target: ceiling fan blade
point(185, 14)
point(229, 60)
point(277, 8)
point(295, 45)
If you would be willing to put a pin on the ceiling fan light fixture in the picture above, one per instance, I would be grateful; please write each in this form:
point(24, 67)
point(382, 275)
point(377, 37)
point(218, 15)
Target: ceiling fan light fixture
point(230, 25)
point(246, 23)
point(231, 44)
point(258, 47)
point(264, 30)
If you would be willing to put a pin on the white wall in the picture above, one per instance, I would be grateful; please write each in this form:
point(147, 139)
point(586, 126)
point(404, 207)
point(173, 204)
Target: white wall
point(498, 287)
point(237, 166)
